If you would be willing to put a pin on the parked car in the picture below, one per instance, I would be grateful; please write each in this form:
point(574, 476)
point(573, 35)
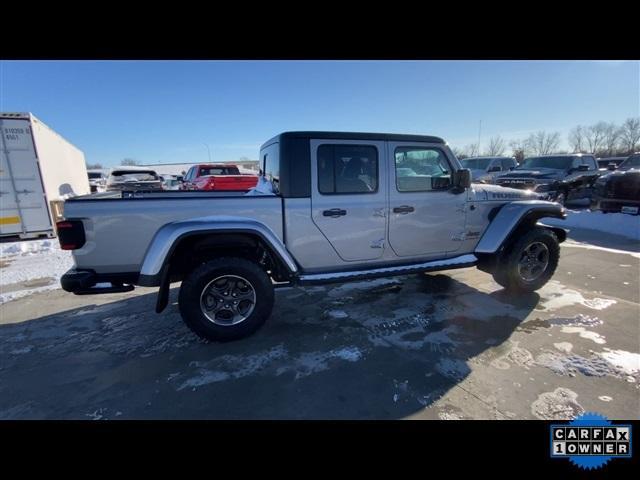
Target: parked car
point(171, 182)
point(218, 177)
point(133, 179)
point(560, 177)
point(610, 163)
point(97, 181)
point(486, 169)
point(343, 206)
point(619, 191)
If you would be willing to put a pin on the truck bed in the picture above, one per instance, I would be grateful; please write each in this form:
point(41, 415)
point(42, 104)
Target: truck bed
point(119, 226)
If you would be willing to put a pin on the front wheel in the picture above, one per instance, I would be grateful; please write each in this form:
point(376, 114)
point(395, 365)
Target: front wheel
point(530, 262)
point(226, 299)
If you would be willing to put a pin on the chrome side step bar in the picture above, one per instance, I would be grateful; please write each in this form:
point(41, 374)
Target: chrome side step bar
point(462, 261)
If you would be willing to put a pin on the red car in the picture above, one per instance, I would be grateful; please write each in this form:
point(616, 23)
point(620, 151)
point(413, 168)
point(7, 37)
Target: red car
point(217, 177)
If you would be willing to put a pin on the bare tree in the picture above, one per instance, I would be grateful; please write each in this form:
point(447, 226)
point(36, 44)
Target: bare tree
point(472, 150)
point(611, 137)
point(497, 146)
point(519, 149)
point(129, 162)
point(543, 143)
point(630, 134)
point(458, 152)
point(594, 136)
point(94, 166)
point(576, 139)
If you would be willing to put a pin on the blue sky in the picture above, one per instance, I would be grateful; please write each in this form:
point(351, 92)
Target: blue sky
point(166, 111)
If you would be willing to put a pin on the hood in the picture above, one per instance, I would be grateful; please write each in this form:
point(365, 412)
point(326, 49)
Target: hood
point(619, 174)
point(480, 192)
point(537, 173)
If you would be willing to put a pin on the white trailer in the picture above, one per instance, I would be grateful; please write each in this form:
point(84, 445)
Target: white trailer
point(38, 169)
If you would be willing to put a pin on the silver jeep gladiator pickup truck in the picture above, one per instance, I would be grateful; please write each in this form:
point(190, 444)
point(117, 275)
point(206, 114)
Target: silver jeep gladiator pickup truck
point(341, 206)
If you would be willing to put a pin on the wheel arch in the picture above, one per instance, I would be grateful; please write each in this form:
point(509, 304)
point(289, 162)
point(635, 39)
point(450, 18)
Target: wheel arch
point(512, 218)
point(219, 234)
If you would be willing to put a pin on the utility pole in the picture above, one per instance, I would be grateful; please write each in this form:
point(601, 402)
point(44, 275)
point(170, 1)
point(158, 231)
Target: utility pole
point(208, 151)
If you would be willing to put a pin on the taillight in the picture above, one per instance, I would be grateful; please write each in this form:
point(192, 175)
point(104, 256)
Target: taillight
point(70, 234)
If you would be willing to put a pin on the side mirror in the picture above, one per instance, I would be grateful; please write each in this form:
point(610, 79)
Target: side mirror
point(495, 168)
point(462, 178)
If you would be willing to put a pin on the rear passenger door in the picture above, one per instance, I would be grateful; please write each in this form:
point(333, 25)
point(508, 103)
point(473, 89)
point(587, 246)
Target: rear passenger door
point(349, 196)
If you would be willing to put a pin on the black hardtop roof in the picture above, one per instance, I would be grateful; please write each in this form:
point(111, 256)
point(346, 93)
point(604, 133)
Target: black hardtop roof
point(398, 137)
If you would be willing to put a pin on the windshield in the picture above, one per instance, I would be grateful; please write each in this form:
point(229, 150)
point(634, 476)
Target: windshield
point(94, 175)
point(134, 176)
point(631, 162)
point(476, 163)
point(557, 163)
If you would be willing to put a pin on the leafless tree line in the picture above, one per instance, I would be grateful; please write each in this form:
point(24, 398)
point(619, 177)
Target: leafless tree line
point(605, 139)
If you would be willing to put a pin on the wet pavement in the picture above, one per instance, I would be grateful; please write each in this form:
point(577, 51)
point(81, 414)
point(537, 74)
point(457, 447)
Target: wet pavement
point(435, 346)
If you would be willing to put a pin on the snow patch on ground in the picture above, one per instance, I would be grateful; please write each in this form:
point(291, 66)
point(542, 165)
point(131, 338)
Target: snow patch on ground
point(584, 333)
point(587, 246)
point(627, 362)
point(613, 223)
point(566, 297)
point(31, 266)
point(561, 404)
point(616, 363)
point(228, 367)
point(564, 347)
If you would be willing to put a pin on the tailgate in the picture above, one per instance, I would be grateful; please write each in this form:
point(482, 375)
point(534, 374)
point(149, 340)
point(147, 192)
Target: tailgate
point(234, 182)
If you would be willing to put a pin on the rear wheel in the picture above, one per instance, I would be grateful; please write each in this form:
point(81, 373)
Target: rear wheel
point(529, 262)
point(226, 299)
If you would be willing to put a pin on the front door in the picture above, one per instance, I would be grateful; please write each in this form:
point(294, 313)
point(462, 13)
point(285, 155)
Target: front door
point(349, 202)
point(426, 215)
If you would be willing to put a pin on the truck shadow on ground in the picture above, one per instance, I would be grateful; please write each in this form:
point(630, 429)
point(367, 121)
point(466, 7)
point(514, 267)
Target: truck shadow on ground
point(381, 349)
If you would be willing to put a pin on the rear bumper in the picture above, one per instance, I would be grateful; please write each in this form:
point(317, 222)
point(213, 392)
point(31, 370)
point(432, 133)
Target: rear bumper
point(87, 282)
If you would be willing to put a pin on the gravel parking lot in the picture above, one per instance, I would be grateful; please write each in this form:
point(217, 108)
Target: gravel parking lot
point(434, 346)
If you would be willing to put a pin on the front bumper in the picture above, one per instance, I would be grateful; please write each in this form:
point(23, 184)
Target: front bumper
point(612, 204)
point(88, 282)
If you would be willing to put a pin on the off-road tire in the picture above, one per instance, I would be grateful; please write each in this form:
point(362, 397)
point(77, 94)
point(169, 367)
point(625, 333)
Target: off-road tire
point(507, 273)
point(196, 282)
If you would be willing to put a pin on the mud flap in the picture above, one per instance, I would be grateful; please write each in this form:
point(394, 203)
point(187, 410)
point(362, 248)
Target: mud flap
point(163, 292)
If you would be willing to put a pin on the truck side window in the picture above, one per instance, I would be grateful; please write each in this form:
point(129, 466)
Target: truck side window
point(507, 164)
point(591, 162)
point(420, 169)
point(271, 165)
point(347, 169)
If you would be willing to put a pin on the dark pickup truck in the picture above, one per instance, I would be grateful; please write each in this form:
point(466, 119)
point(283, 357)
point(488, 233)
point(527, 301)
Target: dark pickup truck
point(619, 191)
point(561, 177)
